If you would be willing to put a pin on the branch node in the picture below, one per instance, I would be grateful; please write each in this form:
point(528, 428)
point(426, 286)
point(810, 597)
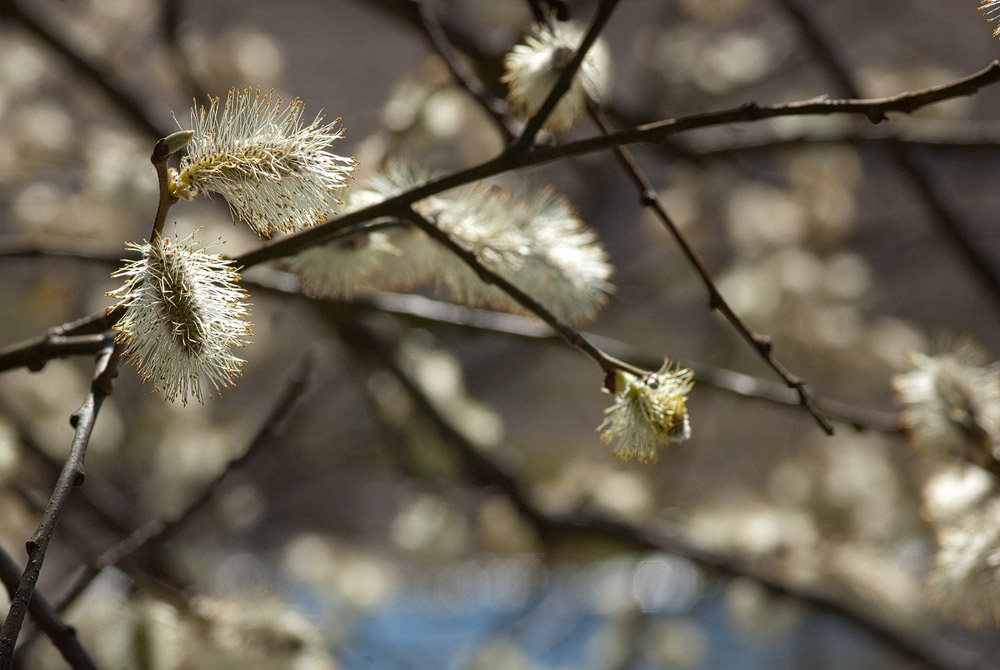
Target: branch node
point(750, 109)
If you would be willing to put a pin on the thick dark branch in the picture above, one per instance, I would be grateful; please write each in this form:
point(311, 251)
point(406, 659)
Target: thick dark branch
point(49, 347)
point(62, 635)
point(157, 532)
point(72, 475)
point(68, 339)
point(876, 108)
point(116, 91)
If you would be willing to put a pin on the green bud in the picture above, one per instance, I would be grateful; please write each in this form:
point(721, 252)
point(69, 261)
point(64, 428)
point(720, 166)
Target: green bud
point(177, 141)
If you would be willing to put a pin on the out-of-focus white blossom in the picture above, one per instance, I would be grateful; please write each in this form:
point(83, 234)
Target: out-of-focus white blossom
point(965, 582)
point(649, 412)
point(275, 173)
point(261, 633)
point(184, 314)
point(342, 268)
point(533, 239)
point(534, 67)
point(952, 402)
point(394, 259)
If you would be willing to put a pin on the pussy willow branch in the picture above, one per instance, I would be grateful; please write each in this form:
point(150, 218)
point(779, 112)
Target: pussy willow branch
point(761, 343)
point(62, 635)
point(948, 223)
point(72, 475)
point(875, 109)
point(572, 336)
point(152, 535)
point(116, 91)
point(482, 470)
point(604, 10)
point(427, 310)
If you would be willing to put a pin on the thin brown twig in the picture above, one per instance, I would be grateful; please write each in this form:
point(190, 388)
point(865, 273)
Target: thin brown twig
point(34, 353)
point(152, 535)
point(875, 109)
point(572, 336)
point(947, 221)
point(62, 635)
point(762, 344)
point(51, 347)
point(427, 310)
point(72, 475)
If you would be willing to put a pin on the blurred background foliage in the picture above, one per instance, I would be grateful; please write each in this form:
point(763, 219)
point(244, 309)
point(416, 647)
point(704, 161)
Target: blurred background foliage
point(360, 538)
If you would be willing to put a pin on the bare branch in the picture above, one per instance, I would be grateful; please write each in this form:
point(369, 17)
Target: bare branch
point(414, 306)
point(463, 74)
point(68, 339)
point(72, 475)
point(572, 336)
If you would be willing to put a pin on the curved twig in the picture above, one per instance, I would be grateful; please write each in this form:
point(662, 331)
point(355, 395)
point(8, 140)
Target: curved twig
point(762, 344)
point(572, 336)
point(415, 306)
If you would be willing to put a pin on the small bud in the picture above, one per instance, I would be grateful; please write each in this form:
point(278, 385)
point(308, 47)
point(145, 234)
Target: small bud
point(177, 141)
